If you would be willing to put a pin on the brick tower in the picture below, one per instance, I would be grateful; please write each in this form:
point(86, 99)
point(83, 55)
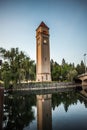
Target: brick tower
point(42, 53)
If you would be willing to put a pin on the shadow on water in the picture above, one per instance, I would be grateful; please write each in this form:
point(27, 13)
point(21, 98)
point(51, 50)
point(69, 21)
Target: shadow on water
point(19, 115)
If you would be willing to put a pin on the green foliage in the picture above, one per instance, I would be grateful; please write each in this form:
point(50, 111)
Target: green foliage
point(17, 68)
point(80, 68)
point(55, 71)
point(65, 71)
point(72, 74)
point(5, 74)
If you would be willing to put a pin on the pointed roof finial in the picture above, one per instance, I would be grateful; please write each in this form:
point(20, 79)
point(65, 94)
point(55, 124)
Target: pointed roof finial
point(42, 24)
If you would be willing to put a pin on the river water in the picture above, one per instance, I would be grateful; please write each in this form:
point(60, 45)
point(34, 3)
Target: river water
point(44, 111)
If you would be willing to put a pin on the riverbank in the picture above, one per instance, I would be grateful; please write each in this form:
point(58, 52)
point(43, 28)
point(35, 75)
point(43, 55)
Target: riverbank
point(45, 85)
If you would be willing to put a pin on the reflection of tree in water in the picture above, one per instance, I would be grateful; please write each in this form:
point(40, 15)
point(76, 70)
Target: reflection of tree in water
point(85, 101)
point(85, 104)
point(19, 109)
point(67, 98)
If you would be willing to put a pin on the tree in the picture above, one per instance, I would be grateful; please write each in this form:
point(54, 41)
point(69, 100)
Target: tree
point(21, 67)
point(63, 62)
point(80, 68)
point(55, 71)
point(5, 74)
point(72, 74)
point(63, 72)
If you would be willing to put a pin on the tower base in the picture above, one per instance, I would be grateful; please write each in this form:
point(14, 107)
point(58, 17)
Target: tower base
point(43, 77)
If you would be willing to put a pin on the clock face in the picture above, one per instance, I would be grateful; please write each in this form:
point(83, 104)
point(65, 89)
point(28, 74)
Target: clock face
point(45, 41)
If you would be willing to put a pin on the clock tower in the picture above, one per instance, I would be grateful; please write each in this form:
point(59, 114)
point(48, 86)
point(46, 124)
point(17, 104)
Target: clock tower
point(42, 53)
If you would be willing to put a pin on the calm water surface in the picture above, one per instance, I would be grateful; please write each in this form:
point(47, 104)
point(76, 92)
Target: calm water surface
point(52, 111)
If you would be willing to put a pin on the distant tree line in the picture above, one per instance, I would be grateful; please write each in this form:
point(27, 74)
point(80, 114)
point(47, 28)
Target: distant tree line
point(17, 67)
point(65, 71)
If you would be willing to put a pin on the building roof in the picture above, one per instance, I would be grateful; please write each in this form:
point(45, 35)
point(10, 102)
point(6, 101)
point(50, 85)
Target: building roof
point(42, 24)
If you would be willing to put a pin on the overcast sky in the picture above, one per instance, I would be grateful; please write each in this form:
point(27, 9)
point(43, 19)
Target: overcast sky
point(67, 20)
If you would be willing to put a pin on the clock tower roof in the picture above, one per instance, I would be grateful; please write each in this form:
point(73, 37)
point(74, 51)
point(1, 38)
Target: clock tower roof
point(42, 24)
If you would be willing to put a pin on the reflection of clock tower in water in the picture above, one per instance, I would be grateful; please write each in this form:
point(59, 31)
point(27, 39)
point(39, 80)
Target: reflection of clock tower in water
point(42, 53)
point(44, 112)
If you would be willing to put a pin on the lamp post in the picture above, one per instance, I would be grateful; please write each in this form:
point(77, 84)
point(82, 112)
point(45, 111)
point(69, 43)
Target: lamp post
point(85, 61)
